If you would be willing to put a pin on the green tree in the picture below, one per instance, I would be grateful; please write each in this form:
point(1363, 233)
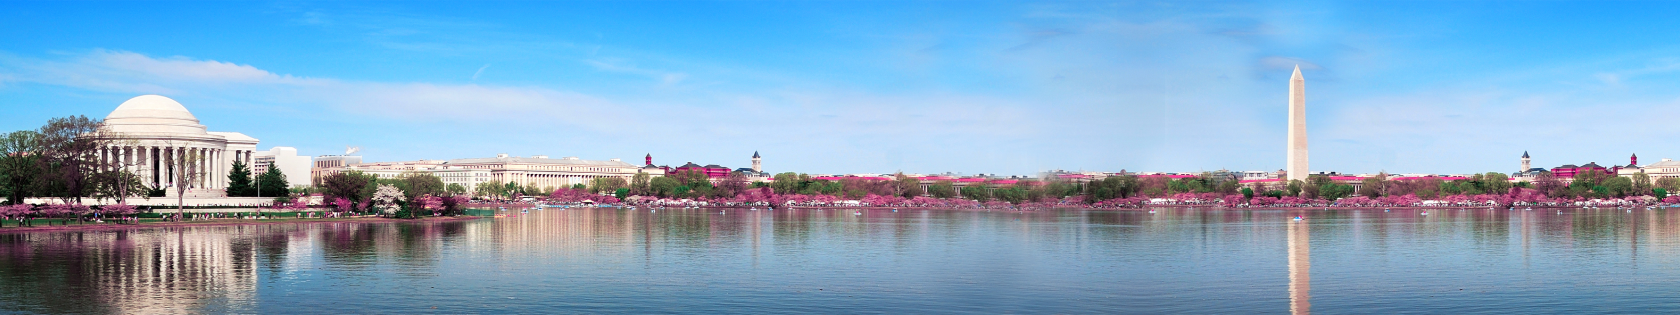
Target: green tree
point(1641, 183)
point(1618, 187)
point(621, 193)
point(239, 181)
point(19, 164)
point(639, 184)
point(1668, 183)
point(511, 188)
point(1494, 183)
point(490, 190)
point(1012, 194)
point(1374, 186)
point(942, 189)
point(664, 187)
point(273, 183)
point(1247, 193)
point(908, 187)
point(531, 189)
point(1294, 187)
point(345, 185)
point(419, 184)
point(606, 184)
point(977, 191)
point(1333, 190)
point(785, 183)
point(454, 189)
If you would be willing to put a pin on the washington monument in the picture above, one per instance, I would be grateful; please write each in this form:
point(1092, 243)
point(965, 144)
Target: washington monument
point(1297, 167)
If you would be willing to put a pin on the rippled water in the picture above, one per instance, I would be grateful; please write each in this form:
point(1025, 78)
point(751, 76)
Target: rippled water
point(835, 261)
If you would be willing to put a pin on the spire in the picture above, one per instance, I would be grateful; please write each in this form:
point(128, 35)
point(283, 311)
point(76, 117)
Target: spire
point(755, 154)
point(1297, 75)
point(1525, 154)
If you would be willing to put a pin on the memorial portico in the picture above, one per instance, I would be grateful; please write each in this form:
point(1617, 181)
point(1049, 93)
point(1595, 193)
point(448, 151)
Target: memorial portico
point(159, 138)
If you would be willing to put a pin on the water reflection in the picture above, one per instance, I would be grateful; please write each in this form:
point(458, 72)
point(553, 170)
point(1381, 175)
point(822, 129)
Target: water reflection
point(850, 261)
point(192, 269)
point(1300, 268)
point(149, 271)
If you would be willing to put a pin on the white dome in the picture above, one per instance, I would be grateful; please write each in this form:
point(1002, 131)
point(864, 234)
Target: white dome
point(151, 106)
point(153, 114)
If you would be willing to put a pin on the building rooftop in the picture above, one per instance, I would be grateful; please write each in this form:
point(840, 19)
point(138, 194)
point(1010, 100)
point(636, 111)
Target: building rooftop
point(534, 160)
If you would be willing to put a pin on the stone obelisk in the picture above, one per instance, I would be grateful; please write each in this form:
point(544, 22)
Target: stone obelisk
point(1297, 165)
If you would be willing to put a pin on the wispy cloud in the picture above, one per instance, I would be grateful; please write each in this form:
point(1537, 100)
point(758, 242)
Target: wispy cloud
point(480, 71)
point(665, 78)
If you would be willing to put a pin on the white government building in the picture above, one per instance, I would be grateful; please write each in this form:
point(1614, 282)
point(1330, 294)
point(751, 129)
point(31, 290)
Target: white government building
point(164, 132)
point(538, 170)
point(295, 167)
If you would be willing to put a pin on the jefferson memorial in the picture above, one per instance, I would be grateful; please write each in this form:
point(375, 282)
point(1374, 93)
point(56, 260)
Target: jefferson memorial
point(163, 133)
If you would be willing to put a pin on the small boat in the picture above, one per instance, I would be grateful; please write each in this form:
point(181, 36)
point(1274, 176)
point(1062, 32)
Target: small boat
point(1297, 218)
point(857, 213)
point(1426, 213)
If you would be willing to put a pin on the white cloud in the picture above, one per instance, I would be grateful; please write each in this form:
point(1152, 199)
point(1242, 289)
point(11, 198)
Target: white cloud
point(176, 68)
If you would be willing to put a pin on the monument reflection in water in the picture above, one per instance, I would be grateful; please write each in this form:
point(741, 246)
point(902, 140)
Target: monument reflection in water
point(1300, 268)
point(835, 261)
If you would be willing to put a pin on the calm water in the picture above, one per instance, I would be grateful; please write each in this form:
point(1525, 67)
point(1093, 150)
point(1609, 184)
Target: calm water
point(913, 261)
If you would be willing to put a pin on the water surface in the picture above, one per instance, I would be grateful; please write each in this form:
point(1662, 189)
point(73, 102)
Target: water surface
point(879, 261)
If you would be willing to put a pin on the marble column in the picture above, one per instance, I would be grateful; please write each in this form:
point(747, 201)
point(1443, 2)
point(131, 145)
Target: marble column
point(203, 167)
point(215, 169)
point(221, 170)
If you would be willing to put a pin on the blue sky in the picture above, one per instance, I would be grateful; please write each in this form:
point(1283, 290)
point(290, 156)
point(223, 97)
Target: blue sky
point(872, 87)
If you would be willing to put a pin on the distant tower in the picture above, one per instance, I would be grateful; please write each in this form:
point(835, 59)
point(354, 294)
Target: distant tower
point(757, 166)
point(650, 159)
point(1297, 165)
point(1524, 162)
point(1634, 161)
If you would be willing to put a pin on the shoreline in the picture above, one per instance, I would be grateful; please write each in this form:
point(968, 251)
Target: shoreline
point(1147, 208)
point(251, 222)
point(217, 222)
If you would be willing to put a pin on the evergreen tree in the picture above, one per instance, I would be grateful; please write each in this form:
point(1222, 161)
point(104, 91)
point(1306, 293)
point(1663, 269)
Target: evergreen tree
point(239, 181)
point(273, 183)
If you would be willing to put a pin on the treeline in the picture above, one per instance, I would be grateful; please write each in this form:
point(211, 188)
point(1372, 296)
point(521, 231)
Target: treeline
point(411, 194)
point(62, 159)
point(910, 187)
point(1593, 184)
